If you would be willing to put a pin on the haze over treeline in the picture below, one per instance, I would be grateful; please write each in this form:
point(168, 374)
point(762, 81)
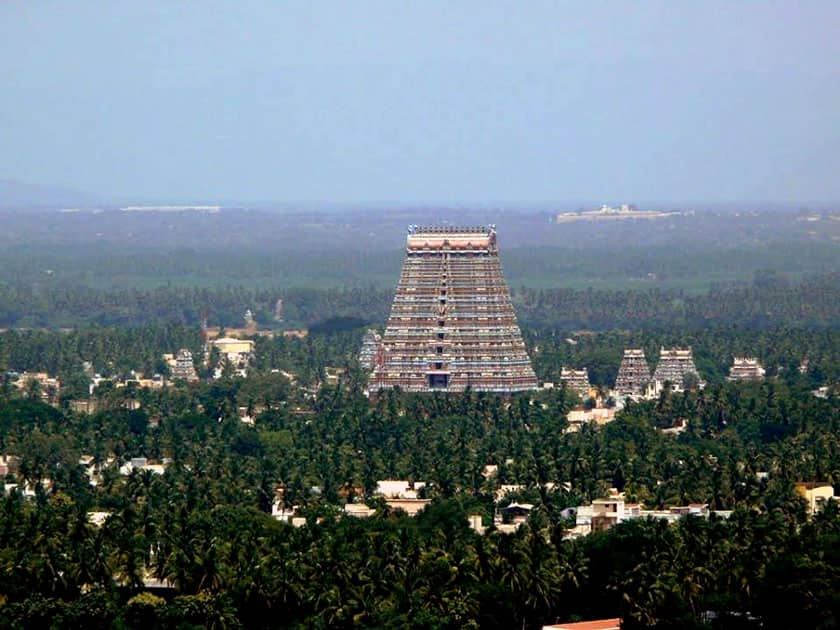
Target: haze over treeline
point(449, 104)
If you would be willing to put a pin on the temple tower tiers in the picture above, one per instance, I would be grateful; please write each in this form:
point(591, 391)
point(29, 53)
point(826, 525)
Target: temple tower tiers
point(452, 323)
point(184, 368)
point(370, 344)
point(674, 365)
point(633, 373)
point(576, 380)
point(746, 369)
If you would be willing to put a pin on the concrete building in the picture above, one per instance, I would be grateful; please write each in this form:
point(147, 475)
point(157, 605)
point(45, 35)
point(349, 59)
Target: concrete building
point(452, 324)
point(399, 489)
point(598, 415)
point(143, 464)
point(602, 514)
point(47, 387)
point(237, 352)
point(510, 518)
point(816, 494)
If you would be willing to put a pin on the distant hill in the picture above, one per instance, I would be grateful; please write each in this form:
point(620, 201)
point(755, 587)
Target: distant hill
point(24, 196)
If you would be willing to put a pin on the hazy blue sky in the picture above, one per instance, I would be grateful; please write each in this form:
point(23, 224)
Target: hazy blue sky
point(423, 102)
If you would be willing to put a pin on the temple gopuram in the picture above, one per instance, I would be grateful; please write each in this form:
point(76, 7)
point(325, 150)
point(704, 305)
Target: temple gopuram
point(576, 381)
point(452, 324)
point(633, 373)
point(674, 365)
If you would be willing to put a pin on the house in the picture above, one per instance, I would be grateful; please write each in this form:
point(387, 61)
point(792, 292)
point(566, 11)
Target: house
point(97, 519)
point(359, 510)
point(598, 415)
point(237, 352)
point(489, 470)
point(87, 407)
point(334, 375)
point(281, 513)
point(476, 522)
point(409, 506)
point(512, 517)
point(48, 387)
point(403, 495)
point(602, 514)
point(815, 493)
point(508, 488)
point(141, 463)
point(398, 489)
point(518, 512)
point(680, 425)
point(9, 464)
point(29, 489)
point(398, 495)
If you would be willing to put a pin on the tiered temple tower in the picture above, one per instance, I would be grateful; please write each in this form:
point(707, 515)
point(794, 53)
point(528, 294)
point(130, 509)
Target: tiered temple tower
point(745, 369)
point(576, 380)
point(184, 368)
point(452, 324)
point(370, 345)
point(633, 373)
point(674, 365)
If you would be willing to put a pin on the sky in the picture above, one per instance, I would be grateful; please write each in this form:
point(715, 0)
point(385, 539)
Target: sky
point(423, 102)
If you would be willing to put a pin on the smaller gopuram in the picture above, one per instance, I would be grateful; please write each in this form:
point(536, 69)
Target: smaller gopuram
point(370, 345)
point(633, 373)
point(745, 369)
point(674, 365)
point(576, 381)
point(184, 367)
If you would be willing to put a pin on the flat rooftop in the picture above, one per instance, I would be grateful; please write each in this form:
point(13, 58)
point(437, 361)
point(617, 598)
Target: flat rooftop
point(450, 237)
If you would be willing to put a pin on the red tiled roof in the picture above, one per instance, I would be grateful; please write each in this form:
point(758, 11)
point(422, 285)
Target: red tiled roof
point(597, 624)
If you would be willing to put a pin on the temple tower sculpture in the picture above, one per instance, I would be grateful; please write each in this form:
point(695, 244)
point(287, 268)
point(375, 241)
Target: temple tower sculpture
point(452, 323)
point(633, 373)
point(746, 369)
point(576, 380)
point(674, 365)
point(370, 345)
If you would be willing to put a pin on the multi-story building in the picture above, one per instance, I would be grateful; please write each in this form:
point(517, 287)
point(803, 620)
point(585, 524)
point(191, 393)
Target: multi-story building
point(633, 373)
point(236, 352)
point(452, 324)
